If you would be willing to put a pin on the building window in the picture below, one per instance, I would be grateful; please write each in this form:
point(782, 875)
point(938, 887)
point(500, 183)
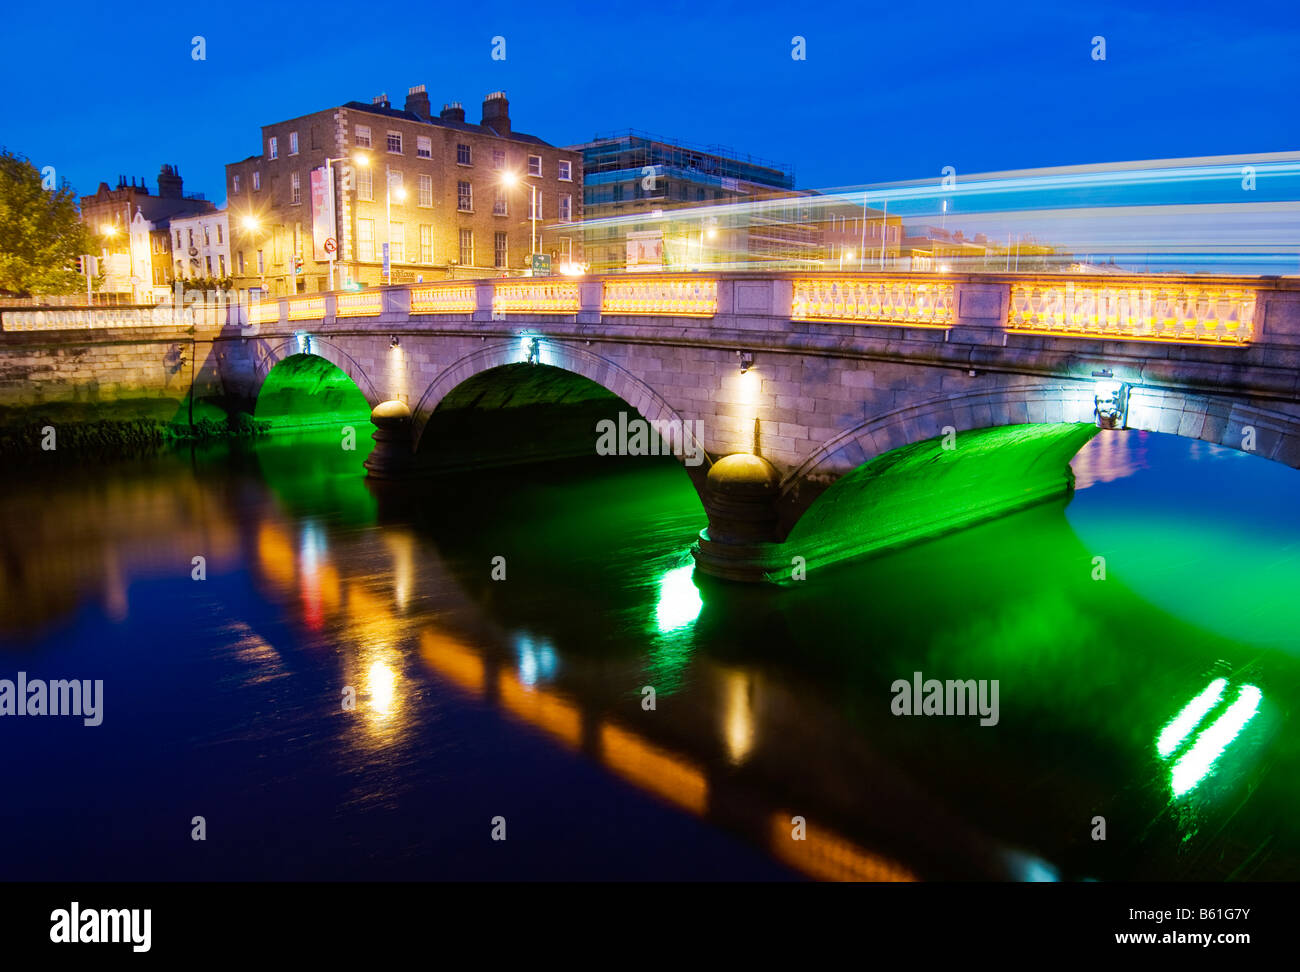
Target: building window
point(293, 143)
point(273, 151)
point(365, 184)
point(219, 241)
point(464, 197)
point(206, 240)
point(208, 261)
point(395, 143)
point(295, 190)
point(395, 184)
point(566, 170)
point(498, 159)
point(241, 263)
point(178, 239)
point(261, 263)
point(426, 244)
point(534, 165)
point(235, 183)
point(565, 213)
point(257, 180)
point(361, 136)
point(499, 249)
point(499, 202)
point(191, 236)
point(423, 147)
point(366, 240)
point(426, 190)
point(462, 155)
point(396, 243)
point(466, 248)
point(535, 205)
point(221, 265)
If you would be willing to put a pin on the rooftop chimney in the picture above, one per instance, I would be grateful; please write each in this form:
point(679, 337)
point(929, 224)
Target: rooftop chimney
point(496, 113)
point(169, 182)
point(453, 112)
point(380, 101)
point(417, 102)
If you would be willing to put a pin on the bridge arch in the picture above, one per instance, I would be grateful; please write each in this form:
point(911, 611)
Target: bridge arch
point(1220, 421)
point(269, 355)
point(637, 394)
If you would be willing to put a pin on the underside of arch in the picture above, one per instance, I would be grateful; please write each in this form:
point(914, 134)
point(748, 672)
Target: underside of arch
point(929, 488)
point(307, 390)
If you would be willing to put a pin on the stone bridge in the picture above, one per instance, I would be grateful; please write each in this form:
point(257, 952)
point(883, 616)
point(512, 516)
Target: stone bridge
point(818, 415)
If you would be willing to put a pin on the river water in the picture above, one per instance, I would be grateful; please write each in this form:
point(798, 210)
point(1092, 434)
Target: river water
point(382, 686)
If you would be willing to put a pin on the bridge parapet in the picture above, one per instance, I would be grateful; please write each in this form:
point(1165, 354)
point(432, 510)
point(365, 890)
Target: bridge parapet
point(969, 308)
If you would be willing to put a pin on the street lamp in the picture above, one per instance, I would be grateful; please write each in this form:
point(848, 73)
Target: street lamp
point(511, 179)
point(388, 220)
point(252, 224)
point(360, 159)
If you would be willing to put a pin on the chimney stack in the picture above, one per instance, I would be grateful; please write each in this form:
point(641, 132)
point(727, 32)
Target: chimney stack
point(380, 101)
point(453, 112)
point(417, 102)
point(169, 182)
point(496, 113)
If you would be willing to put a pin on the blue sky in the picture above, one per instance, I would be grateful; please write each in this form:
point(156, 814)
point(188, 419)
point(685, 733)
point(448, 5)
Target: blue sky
point(886, 93)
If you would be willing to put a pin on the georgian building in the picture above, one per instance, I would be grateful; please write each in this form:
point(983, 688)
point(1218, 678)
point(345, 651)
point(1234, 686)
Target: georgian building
point(448, 197)
point(201, 246)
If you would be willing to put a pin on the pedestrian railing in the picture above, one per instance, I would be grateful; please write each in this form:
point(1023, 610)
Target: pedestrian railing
point(895, 300)
point(682, 297)
point(1180, 313)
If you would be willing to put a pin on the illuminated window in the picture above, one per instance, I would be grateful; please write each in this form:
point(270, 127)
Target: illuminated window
point(395, 143)
point(218, 234)
point(499, 249)
point(426, 244)
point(361, 135)
point(499, 202)
point(426, 190)
point(423, 147)
point(261, 262)
point(221, 264)
point(396, 242)
point(565, 213)
point(365, 184)
point(566, 170)
point(462, 155)
point(534, 165)
point(241, 262)
point(464, 197)
point(466, 248)
point(366, 239)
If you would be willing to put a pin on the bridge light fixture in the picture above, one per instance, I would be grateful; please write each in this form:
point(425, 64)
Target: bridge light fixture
point(535, 351)
point(746, 360)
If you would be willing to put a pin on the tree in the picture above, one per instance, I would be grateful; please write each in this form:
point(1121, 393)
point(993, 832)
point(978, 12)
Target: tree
point(41, 233)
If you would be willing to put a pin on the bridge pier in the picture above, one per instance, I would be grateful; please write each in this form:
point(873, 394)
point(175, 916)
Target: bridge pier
point(740, 542)
point(392, 456)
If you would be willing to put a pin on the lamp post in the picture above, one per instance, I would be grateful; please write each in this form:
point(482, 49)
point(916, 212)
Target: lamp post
point(388, 221)
point(510, 179)
point(252, 224)
point(360, 160)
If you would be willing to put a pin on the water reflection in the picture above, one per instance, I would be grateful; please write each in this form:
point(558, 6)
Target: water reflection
point(771, 705)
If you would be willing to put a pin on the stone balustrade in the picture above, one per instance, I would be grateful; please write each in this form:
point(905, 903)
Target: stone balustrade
point(1232, 312)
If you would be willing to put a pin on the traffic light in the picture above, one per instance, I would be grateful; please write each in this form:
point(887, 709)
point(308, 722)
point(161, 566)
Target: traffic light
point(80, 267)
point(297, 264)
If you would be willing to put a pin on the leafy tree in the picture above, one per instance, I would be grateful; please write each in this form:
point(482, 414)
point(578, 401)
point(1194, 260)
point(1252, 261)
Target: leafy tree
point(41, 233)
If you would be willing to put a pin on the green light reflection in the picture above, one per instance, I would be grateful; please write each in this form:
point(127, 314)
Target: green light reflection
point(1196, 763)
point(679, 599)
point(1182, 724)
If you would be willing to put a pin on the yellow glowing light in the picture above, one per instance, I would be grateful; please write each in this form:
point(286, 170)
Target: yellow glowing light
point(510, 178)
point(399, 194)
point(738, 717)
point(249, 223)
point(381, 682)
point(711, 234)
point(362, 160)
point(108, 229)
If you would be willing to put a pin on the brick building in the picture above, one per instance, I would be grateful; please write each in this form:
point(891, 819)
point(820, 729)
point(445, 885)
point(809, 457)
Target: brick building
point(452, 211)
point(132, 227)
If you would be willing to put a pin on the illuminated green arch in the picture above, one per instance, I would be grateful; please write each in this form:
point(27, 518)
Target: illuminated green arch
point(306, 391)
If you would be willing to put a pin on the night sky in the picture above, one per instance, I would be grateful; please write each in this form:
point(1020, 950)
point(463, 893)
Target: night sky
point(887, 92)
